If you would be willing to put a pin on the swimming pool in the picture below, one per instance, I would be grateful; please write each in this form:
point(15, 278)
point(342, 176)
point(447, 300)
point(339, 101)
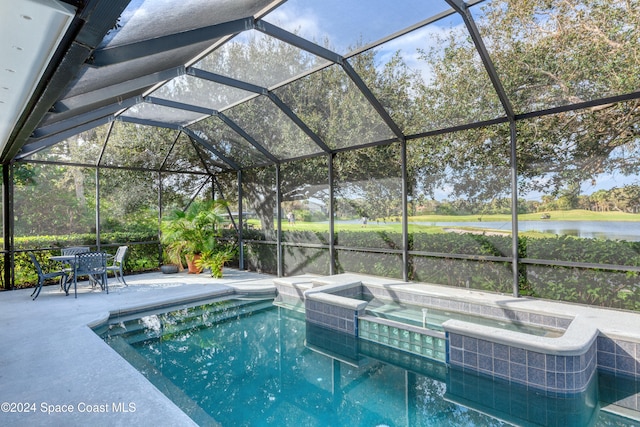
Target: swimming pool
point(249, 363)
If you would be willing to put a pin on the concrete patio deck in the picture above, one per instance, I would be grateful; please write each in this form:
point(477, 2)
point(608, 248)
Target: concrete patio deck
point(56, 371)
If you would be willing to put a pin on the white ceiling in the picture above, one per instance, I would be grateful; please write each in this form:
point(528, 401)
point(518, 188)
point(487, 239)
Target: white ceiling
point(30, 31)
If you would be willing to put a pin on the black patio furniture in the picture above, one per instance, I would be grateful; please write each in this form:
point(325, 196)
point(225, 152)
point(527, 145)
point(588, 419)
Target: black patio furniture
point(43, 277)
point(118, 263)
point(92, 264)
point(71, 251)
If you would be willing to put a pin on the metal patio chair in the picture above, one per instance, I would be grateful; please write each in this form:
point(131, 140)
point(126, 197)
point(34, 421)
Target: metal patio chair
point(92, 264)
point(118, 263)
point(71, 250)
point(42, 276)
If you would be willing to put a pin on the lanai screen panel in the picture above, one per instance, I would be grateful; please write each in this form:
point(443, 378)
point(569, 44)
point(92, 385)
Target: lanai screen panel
point(146, 19)
point(213, 163)
point(162, 114)
point(259, 59)
point(459, 198)
point(369, 198)
point(271, 128)
point(83, 148)
point(345, 25)
point(71, 211)
point(584, 166)
point(430, 78)
point(306, 213)
point(228, 142)
point(132, 145)
point(580, 187)
point(92, 78)
point(464, 179)
point(183, 157)
point(128, 197)
point(260, 201)
point(201, 93)
point(561, 53)
point(227, 188)
point(151, 19)
point(335, 109)
point(178, 189)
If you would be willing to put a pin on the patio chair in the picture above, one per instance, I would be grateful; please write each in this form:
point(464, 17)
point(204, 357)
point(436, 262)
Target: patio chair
point(118, 263)
point(72, 250)
point(42, 276)
point(92, 264)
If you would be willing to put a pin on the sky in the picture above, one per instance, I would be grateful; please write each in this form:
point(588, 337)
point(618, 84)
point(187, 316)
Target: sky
point(344, 22)
point(348, 23)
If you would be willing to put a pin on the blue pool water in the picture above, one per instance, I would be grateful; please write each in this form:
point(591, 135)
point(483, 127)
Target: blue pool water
point(249, 363)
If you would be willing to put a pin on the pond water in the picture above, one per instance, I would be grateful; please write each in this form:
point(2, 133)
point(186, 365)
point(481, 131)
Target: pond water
point(611, 230)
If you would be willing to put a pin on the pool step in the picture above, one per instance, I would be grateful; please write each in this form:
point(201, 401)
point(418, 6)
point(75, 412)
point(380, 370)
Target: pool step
point(290, 304)
point(138, 331)
point(291, 290)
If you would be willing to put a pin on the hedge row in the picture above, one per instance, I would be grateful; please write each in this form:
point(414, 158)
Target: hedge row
point(602, 287)
point(141, 257)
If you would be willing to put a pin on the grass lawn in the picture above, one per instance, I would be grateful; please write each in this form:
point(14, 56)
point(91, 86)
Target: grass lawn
point(583, 215)
point(569, 215)
point(396, 227)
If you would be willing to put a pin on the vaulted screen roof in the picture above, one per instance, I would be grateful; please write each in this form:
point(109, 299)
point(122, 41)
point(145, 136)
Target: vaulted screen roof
point(234, 76)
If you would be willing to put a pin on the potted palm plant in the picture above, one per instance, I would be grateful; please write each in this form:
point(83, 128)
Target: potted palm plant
point(187, 234)
point(215, 258)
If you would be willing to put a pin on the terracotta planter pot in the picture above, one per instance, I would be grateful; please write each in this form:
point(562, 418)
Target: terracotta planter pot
point(191, 264)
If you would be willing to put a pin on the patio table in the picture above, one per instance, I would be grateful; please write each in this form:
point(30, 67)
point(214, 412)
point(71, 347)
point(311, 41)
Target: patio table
point(65, 259)
point(70, 261)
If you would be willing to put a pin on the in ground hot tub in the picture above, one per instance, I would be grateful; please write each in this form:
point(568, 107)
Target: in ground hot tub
point(551, 346)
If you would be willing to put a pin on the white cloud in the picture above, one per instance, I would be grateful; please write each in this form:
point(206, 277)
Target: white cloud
point(304, 23)
point(423, 39)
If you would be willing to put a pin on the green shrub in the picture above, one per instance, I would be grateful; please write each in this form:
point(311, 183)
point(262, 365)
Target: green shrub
point(606, 287)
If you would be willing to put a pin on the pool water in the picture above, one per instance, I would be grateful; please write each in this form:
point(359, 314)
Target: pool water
point(249, 363)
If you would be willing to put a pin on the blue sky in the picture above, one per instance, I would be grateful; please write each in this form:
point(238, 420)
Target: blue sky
point(344, 22)
point(347, 23)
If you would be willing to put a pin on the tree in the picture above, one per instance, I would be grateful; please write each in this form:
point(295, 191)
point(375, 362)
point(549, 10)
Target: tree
point(47, 203)
point(547, 54)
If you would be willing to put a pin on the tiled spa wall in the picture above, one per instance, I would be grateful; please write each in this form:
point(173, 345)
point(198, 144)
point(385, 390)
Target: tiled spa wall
point(367, 292)
point(618, 356)
point(333, 316)
point(561, 374)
